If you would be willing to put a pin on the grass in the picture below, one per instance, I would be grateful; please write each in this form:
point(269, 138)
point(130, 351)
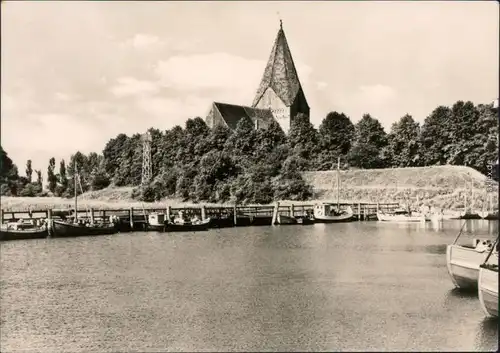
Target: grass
point(439, 186)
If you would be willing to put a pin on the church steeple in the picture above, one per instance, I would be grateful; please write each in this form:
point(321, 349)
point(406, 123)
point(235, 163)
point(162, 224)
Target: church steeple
point(280, 73)
point(280, 80)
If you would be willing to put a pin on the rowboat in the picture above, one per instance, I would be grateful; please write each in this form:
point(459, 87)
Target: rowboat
point(187, 226)
point(488, 283)
point(18, 234)
point(62, 229)
point(463, 261)
point(400, 215)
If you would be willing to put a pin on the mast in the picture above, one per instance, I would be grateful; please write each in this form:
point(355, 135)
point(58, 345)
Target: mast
point(338, 184)
point(472, 194)
point(465, 204)
point(76, 201)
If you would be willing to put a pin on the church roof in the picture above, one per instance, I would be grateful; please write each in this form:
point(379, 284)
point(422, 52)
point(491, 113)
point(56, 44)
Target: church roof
point(280, 73)
point(233, 113)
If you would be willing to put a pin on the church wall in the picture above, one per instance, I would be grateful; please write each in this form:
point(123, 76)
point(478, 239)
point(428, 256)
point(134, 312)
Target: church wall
point(281, 112)
point(214, 118)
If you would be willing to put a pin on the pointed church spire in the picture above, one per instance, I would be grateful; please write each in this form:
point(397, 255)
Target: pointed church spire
point(280, 73)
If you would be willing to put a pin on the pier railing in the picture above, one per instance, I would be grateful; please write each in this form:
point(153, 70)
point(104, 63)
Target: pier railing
point(362, 211)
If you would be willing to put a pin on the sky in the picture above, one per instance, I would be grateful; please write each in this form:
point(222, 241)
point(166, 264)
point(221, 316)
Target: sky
point(76, 74)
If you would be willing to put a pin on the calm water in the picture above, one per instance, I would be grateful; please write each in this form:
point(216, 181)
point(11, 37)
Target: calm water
point(356, 286)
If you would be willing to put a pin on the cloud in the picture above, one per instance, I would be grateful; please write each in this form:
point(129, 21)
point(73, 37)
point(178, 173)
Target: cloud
point(377, 94)
point(143, 41)
point(233, 78)
point(321, 85)
point(64, 97)
point(129, 86)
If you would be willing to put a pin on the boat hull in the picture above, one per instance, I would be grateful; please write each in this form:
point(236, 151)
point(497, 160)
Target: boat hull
point(173, 227)
point(225, 222)
point(261, 220)
point(463, 265)
point(285, 220)
point(156, 227)
point(333, 219)
point(305, 221)
point(492, 217)
point(470, 216)
point(400, 218)
point(62, 230)
point(9, 234)
point(488, 291)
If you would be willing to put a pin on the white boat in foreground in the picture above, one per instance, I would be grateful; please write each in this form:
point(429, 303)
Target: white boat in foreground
point(463, 261)
point(400, 215)
point(463, 264)
point(488, 283)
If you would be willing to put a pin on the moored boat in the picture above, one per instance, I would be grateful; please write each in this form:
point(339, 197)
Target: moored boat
point(285, 220)
point(156, 221)
point(18, 234)
point(222, 222)
point(463, 261)
point(187, 226)
point(66, 229)
point(401, 215)
point(327, 213)
point(444, 215)
point(492, 216)
point(305, 220)
point(488, 283)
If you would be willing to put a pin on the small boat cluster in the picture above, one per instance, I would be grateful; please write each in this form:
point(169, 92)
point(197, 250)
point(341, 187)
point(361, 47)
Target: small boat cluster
point(475, 267)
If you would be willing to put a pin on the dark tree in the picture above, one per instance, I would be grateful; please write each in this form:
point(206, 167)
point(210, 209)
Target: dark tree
point(29, 171)
point(369, 149)
point(404, 143)
point(435, 137)
point(51, 176)
point(303, 138)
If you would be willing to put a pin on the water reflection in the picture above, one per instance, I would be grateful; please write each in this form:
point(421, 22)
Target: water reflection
point(487, 335)
point(357, 286)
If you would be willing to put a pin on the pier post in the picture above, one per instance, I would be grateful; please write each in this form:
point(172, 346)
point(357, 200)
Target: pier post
point(203, 213)
point(91, 216)
point(292, 210)
point(275, 213)
point(104, 215)
point(131, 215)
point(235, 210)
point(169, 212)
point(359, 211)
point(49, 223)
point(1, 216)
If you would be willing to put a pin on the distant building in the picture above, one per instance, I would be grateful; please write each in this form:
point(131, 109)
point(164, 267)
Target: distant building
point(279, 95)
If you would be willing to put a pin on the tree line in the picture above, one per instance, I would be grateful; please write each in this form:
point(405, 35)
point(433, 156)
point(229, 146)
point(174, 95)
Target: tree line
point(257, 166)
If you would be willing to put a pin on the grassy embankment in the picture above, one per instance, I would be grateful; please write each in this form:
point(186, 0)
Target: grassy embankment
point(440, 186)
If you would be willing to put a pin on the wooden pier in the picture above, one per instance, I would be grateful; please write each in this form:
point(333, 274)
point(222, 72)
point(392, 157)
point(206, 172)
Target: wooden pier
point(137, 217)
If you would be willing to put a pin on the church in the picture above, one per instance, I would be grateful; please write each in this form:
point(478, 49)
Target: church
point(279, 95)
